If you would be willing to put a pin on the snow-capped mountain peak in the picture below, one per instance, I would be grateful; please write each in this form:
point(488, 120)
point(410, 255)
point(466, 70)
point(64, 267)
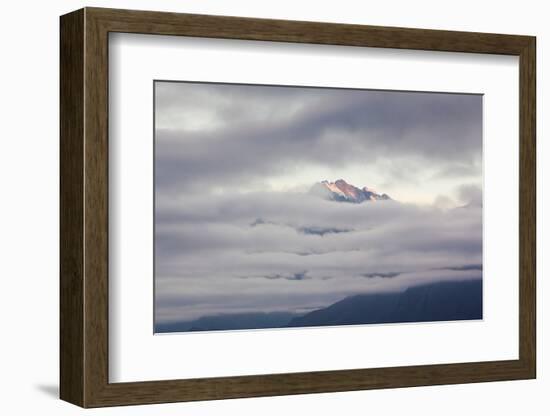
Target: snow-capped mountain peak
point(342, 191)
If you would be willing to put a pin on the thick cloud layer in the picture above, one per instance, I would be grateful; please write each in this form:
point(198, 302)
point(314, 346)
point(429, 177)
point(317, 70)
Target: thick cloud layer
point(237, 231)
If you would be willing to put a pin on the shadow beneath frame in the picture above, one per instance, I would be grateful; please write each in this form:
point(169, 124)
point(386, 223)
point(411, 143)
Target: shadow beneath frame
point(51, 390)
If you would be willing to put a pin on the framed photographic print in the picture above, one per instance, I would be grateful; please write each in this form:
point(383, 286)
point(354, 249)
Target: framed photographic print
point(255, 207)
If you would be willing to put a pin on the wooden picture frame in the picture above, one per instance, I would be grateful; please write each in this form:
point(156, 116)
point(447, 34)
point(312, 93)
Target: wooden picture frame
point(84, 207)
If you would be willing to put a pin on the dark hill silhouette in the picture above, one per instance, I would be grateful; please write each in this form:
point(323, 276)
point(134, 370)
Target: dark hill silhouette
point(441, 301)
point(229, 322)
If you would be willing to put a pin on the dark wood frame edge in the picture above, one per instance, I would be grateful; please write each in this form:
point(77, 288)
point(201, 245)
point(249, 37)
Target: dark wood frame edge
point(84, 207)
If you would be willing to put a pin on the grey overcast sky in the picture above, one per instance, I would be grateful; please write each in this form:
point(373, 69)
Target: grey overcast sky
point(413, 146)
point(227, 155)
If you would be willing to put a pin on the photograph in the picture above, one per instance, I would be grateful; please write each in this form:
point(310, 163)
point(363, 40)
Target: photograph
point(292, 206)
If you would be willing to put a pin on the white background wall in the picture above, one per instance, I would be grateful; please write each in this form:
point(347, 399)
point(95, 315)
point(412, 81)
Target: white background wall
point(29, 207)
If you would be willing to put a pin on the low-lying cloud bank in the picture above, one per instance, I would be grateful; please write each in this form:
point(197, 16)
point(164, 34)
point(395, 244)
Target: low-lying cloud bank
point(292, 252)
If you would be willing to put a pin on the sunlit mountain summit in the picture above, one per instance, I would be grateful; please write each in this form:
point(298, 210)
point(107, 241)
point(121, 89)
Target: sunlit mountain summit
point(342, 191)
